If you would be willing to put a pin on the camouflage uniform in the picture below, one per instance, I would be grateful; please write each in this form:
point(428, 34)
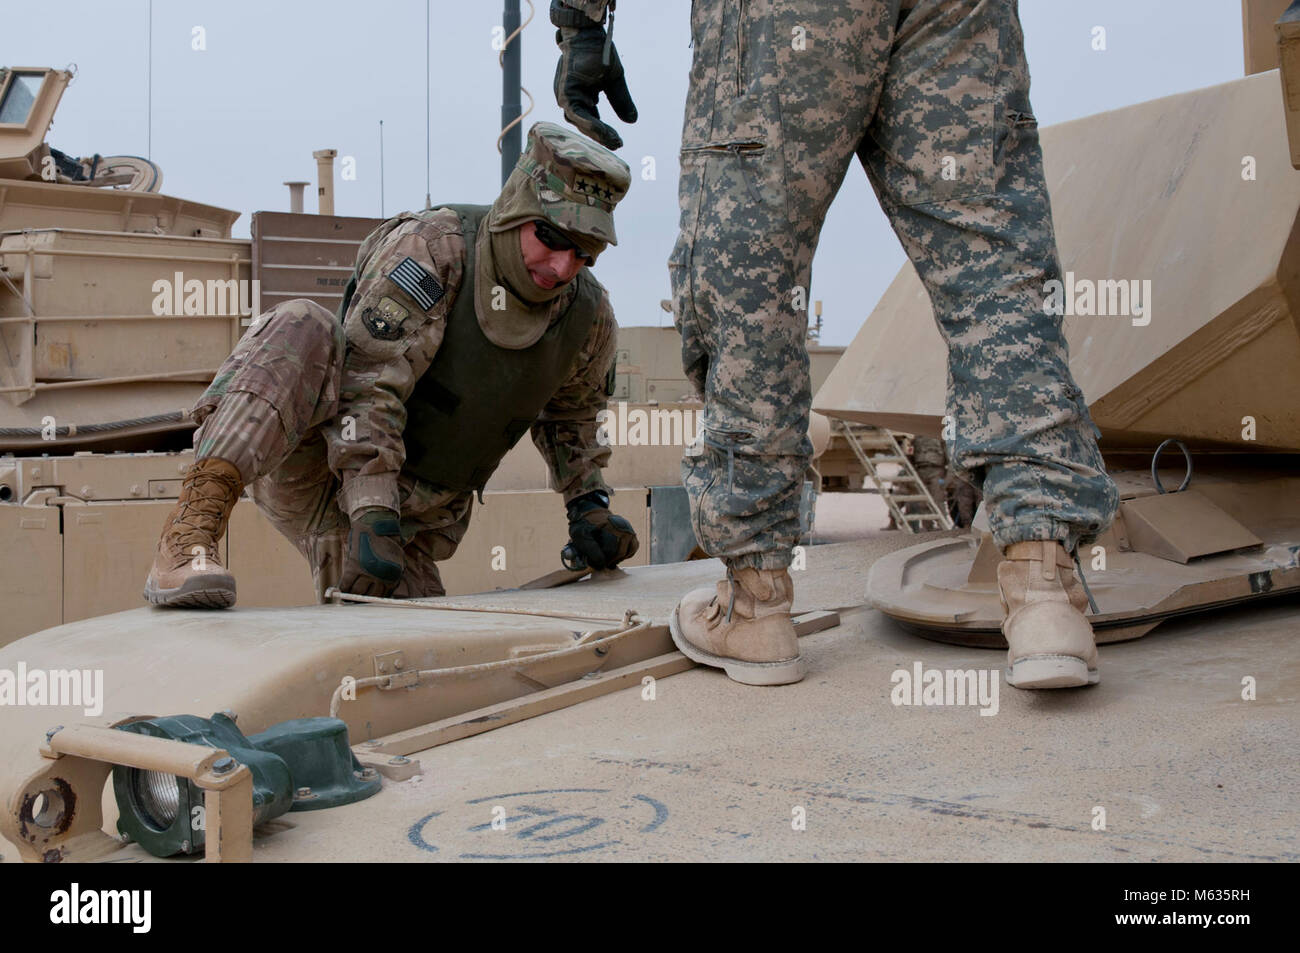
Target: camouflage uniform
point(932, 96)
point(312, 411)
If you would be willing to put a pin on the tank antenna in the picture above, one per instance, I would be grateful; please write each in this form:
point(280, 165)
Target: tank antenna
point(428, 201)
point(511, 59)
point(148, 152)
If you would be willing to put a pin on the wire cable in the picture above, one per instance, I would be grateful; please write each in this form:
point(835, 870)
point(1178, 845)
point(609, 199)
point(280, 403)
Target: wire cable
point(501, 61)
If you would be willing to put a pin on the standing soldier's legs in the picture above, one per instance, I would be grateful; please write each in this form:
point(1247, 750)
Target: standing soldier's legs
point(279, 383)
point(780, 96)
point(953, 154)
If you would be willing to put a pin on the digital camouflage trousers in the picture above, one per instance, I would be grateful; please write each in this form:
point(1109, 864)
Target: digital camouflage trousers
point(932, 97)
point(269, 412)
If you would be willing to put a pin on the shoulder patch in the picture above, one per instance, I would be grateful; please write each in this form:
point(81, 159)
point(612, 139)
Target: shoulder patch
point(411, 277)
point(384, 321)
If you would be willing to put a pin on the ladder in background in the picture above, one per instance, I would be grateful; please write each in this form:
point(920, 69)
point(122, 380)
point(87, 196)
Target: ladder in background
point(855, 435)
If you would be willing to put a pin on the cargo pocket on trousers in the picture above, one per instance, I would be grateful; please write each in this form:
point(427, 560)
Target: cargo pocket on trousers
point(725, 444)
point(934, 133)
point(748, 156)
point(713, 471)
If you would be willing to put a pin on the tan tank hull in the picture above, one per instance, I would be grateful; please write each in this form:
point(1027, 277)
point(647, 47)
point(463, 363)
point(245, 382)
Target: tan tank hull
point(1166, 556)
point(270, 665)
point(640, 773)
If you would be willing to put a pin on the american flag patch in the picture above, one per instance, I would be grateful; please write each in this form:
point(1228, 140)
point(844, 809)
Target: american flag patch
point(416, 282)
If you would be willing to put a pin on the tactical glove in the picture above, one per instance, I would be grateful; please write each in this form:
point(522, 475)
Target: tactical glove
point(601, 538)
point(588, 66)
point(374, 562)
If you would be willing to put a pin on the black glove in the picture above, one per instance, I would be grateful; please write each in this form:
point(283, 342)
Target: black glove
point(374, 562)
point(601, 538)
point(588, 66)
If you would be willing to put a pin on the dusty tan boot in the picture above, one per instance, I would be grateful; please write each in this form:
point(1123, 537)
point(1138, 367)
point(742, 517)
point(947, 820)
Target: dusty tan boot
point(742, 626)
point(1051, 642)
point(183, 574)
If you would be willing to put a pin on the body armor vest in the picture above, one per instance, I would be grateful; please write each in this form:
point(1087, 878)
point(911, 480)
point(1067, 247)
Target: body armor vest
point(477, 399)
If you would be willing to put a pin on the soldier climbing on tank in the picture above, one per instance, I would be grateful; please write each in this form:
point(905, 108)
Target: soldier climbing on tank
point(364, 437)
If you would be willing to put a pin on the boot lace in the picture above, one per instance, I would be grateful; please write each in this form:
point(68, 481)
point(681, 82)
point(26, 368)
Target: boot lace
point(1086, 591)
point(204, 510)
point(731, 583)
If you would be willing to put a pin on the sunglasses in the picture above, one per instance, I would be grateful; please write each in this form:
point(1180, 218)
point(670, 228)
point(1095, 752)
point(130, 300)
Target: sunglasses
point(556, 240)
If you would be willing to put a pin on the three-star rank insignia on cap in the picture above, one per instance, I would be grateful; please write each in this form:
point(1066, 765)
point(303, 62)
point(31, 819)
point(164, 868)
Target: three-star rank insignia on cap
point(411, 277)
point(593, 189)
point(384, 320)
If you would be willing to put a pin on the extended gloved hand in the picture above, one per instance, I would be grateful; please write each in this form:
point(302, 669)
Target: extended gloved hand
point(601, 538)
point(584, 72)
point(374, 562)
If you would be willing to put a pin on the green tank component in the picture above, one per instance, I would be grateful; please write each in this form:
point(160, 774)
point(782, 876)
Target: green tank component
point(301, 765)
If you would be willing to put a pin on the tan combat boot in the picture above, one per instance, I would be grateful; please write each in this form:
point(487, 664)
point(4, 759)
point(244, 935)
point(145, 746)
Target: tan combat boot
point(1051, 642)
point(182, 574)
point(743, 627)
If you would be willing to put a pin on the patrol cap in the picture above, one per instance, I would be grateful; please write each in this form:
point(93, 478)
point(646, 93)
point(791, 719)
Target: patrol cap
point(567, 179)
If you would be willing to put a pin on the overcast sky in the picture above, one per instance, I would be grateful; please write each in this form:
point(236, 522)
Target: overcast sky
point(280, 78)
